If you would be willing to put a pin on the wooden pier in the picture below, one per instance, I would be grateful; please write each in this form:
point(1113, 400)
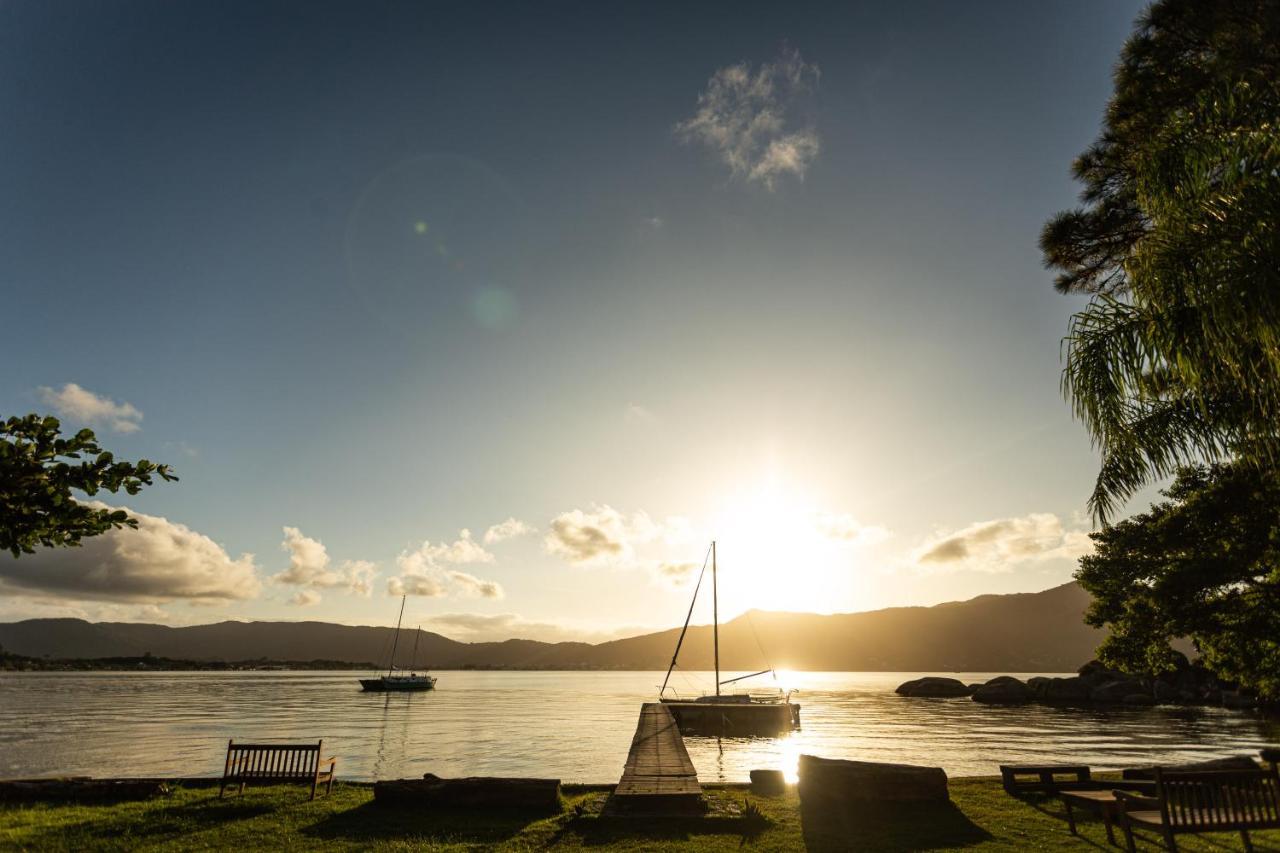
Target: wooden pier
point(658, 777)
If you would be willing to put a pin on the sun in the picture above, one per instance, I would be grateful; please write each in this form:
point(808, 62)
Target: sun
point(773, 554)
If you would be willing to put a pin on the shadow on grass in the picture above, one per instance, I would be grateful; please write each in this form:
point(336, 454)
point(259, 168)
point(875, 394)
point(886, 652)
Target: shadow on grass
point(596, 831)
point(158, 823)
point(888, 826)
point(373, 822)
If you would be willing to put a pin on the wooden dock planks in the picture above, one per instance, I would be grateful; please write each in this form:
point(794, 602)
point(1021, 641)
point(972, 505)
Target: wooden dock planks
point(658, 771)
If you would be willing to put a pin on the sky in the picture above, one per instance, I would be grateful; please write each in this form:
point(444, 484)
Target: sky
point(513, 310)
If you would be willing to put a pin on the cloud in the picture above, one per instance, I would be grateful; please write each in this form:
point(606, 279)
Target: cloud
point(475, 586)
point(72, 401)
point(478, 627)
point(462, 550)
point(309, 567)
point(846, 528)
point(415, 585)
point(508, 529)
point(604, 535)
point(160, 561)
point(755, 122)
point(999, 545)
point(676, 573)
point(423, 572)
point(305, 598)
point(636, 413)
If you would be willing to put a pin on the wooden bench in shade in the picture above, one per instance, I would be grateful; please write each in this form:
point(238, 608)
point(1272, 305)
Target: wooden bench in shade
point(1044, 778)
point(1204, 801)
point(278, 762)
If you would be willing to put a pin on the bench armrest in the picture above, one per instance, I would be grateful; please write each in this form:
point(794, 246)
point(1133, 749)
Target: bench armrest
point(331, 761)
point(1132, 802)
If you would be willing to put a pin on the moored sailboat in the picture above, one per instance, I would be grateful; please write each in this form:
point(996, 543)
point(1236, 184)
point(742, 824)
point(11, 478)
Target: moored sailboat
point(749, 712)
point(393, 682)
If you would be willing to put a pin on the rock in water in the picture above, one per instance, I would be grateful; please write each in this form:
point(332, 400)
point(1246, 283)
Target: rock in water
point(833, 782)
point(1005, 690)
point(934, 686)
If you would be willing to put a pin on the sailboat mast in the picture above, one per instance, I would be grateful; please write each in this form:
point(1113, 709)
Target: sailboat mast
point(715, 615)
point(413, 661)
point(396, 642)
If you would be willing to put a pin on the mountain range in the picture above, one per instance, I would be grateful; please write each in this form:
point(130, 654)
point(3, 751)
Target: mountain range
point(1025, 632)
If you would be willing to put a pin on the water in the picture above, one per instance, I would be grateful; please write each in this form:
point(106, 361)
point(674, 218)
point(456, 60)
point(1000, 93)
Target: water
point(576, 726)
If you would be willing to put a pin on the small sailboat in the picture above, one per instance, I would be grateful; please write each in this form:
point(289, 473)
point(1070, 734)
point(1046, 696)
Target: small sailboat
point(393, 682)
point(749, 712)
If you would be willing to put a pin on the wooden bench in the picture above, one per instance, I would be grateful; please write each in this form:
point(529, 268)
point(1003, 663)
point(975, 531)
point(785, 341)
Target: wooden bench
point(278, 762)
point(1204, 801)
point(1044, 778)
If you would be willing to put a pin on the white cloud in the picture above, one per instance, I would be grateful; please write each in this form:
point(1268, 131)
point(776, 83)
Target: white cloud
point(309, 567)
point(845, 528)
point(72, 401)
point(602, 535)
point(305, 598)
point(158, 562)
point(755, 122)
point(636, 413)
point(676, 573)
point(473, 585)
point(508, 529)
point(422, 585)
point(1001, 544)
point(423, 572)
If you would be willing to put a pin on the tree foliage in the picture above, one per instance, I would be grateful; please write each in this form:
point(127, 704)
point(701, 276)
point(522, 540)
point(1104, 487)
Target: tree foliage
point(38, 471)
point(1176, 358)
point(1205, 564)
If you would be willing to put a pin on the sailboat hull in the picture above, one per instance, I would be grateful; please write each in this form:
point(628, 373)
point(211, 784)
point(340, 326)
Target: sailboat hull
point(397, 684)
point(734, 718)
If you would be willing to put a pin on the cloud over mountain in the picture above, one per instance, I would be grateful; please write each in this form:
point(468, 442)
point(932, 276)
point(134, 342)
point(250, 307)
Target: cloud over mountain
point(160, 561)
point(1000, 544)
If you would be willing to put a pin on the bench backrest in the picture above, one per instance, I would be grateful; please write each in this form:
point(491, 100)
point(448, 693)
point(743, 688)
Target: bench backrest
point(1208, 800)
point(273, 760)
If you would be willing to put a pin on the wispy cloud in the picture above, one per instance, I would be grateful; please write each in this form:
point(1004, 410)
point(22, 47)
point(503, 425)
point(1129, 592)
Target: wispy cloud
point(158, 562)
point(305, 598)
point(755, 120)
point(1001, 544)
point(81, 404)
point(509, 529)
point(475, 586)
point(845, 528)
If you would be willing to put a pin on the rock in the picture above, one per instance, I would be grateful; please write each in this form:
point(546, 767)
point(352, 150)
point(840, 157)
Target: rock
point(80, 789)
point(768, 782)
point(1165, 692)
point(1066, 690)
point(1236, 699)
point(471, 792)
point(934, 686)
point(1138, 699)
point(1038, 684)
point(1005, 690)
point(833, 782)
point(1112, 692)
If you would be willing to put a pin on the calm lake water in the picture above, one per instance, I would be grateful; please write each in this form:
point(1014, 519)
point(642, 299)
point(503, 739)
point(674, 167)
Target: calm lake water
point(573, 725)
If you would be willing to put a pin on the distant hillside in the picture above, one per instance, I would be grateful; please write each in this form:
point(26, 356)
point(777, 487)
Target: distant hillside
point(1029, 632)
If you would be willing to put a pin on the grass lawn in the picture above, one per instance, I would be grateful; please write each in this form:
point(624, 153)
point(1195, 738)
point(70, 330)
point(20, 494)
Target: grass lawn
point(982, 817)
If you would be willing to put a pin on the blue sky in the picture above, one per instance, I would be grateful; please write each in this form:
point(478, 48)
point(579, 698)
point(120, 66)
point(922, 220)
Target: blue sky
point(380, 273)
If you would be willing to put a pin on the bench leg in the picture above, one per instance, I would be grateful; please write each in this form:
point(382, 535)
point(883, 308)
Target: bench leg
point(1169, 843)
point(328, 789)
point(242, 789)
point(313, 790)
point(1129, 843)
point(1248, 843)
point(1071, 817)
point(1106, 821)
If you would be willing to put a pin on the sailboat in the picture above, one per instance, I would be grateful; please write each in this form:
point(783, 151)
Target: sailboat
point(393, 682)
point(749, 712)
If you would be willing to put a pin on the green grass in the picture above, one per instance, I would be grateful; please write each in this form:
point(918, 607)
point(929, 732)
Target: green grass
point(981, 817)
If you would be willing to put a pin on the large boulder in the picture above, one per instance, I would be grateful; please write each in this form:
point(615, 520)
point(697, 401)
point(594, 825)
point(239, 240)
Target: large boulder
point(1138, 699)
point(934, 686)
point(834, 782)
point(1005, 690)
point(1066, 690)
point(1113, 692)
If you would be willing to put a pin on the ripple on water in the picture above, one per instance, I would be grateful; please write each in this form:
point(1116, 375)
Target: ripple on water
point(573, 725)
